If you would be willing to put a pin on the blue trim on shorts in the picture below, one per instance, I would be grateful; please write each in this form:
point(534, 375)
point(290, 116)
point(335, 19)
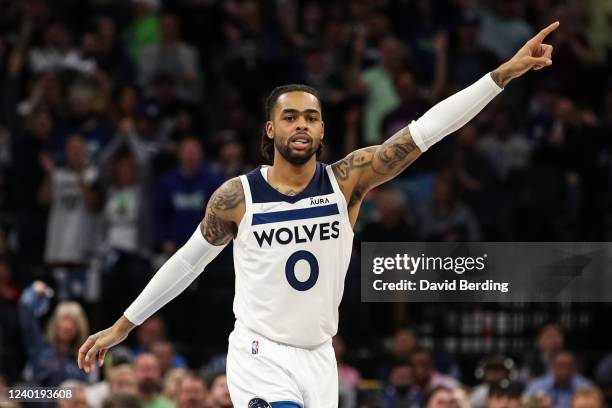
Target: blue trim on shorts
point(285, 404)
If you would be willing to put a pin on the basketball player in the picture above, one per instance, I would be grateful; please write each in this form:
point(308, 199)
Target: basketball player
point(292, 229)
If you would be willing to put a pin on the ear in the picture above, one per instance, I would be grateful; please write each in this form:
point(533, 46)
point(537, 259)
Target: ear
point(322, 129)
point(270, 129)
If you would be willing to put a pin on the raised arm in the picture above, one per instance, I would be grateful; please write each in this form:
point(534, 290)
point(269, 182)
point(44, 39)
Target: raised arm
point(224, 212)
point(366, 168)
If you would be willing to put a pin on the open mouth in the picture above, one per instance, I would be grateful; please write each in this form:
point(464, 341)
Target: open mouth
point(300, 142)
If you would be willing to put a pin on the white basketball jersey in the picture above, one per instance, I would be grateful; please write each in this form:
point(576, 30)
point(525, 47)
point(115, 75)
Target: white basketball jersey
point(291, 254)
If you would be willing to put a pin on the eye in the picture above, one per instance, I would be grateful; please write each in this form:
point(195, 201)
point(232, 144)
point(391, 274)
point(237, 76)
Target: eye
point(313, 118)
point(290, 118)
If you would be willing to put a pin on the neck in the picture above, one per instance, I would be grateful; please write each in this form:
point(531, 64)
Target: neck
point(295, 177)
point(62, 347)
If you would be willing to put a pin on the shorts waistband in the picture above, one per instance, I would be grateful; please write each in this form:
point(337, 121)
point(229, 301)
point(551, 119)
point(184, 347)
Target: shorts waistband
point(241, 328)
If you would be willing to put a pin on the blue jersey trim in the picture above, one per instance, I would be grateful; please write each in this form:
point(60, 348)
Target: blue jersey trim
point(262, 192)
point(285, 404)
point(292, 215)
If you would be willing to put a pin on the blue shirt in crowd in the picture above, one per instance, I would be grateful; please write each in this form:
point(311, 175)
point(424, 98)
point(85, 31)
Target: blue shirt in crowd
point(180, 203)
point(560, 397)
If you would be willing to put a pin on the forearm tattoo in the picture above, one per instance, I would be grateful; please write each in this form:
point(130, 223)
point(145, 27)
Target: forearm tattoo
point(393, 156)
point(216, 230)
point(355, 160)
point(383, 162)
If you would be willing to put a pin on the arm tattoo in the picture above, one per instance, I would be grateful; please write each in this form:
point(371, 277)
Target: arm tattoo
point(355, 160)
point(229, 196)
point(216, 230)
point(394, 155)
point(376, 164)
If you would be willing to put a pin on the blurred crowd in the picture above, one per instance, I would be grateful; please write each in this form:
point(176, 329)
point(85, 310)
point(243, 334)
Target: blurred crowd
point(118, 119)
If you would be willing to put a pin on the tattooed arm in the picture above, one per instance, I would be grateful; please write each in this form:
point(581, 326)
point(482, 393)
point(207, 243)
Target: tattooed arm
point(366, 168)
point(224, 212)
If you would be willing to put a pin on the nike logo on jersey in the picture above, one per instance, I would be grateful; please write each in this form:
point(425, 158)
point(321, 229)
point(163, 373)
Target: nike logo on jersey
point(298, 234)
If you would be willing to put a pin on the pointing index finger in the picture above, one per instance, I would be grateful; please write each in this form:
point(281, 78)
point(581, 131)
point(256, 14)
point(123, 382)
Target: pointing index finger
point(545, 31)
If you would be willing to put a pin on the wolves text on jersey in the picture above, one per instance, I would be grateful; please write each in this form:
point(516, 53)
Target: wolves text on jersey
point(298, 234)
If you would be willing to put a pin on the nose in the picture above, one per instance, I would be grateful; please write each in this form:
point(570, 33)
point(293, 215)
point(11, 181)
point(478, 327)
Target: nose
point(302, 123)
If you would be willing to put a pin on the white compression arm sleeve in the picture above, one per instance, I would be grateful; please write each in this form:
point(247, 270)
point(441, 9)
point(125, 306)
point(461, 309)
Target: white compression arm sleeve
point(452, 113)
point(173, 277)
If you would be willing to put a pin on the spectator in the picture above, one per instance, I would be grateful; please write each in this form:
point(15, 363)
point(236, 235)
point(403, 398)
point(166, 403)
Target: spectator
point(549, 342)
point(164, 351)
point(123, 380)
point(73, 230)
point(477, 179)
point(504, 395)
point(58, 53)
point(446, 218)
point(85, 117)
point(411, 105)
point(397, 392)
point(348, 376)
point(588, 398)
point(506, 149)
point(377, 83)
point(603, 377)
point(231, 155)
point(172, 57)
point(539, 400)
point(52, 358)
point(561, 383)
point(192, 392)
point(439, 397)
point(425, 376)
point(110, 55)
point(151, 331)
point(219, 396)
point(469, 58)
point(181, 196)
point(503, 29)
point(29, 148)
point(391, 223)
point(127, 222)
point(78, 398)
point(172, 383)
point(148, 375)
point(399, 348)
point(494, 372)
point(144, 29)
point(121, 400)
point(99, 391)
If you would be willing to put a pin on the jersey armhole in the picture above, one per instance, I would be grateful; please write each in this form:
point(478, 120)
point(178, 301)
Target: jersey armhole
point(245, 223)
point(338, 191)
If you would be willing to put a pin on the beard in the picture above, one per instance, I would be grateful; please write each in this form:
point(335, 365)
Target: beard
point(296, 158)
point(147, 386)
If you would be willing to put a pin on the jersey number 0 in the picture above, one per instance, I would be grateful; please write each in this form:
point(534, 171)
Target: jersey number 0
point(290, 270)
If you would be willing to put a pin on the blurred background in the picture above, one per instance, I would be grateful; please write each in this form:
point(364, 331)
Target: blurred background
point(118, 119)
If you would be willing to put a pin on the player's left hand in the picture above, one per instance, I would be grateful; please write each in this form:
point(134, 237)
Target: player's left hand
point(533, 55)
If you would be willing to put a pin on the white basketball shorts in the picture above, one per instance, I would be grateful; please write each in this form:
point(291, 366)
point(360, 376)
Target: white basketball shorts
point(261, 371)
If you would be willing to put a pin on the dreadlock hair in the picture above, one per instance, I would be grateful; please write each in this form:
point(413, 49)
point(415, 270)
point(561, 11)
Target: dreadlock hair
point(267, 144)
